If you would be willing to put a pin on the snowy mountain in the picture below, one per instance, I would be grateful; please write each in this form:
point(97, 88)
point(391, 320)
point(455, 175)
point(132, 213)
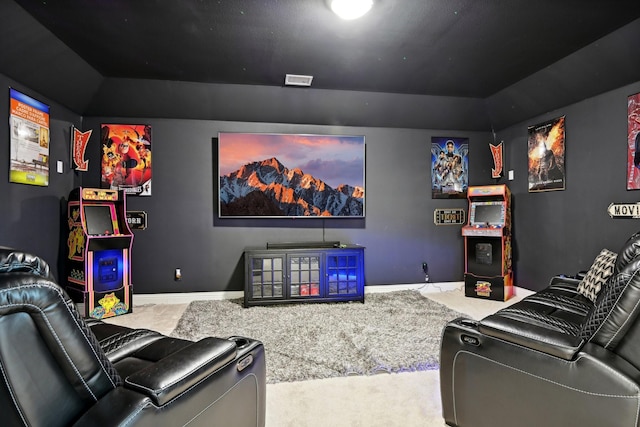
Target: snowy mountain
point(268, 188)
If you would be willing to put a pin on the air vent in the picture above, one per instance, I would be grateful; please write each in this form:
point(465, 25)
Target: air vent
point(297, 80)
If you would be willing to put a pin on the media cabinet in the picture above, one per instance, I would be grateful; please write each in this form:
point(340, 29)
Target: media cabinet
point(321, 272)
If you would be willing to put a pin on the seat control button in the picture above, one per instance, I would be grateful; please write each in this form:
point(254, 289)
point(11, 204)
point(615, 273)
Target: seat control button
point(242, 364)
point(470, 340)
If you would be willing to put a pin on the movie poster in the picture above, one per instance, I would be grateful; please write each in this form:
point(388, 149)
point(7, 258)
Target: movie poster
point(633, 142)
point(29, 134)
point(449, 168)
point(546, 146)
point(126, 158)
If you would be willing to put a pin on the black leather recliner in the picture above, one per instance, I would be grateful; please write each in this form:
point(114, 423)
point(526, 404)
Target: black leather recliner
point(57, 369)
point(556, 358)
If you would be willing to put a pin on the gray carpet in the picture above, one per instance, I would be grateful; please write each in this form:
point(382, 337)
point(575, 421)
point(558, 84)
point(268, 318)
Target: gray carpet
point(390, 332)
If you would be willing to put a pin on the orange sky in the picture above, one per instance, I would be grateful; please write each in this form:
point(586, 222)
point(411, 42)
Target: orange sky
point(333, 159)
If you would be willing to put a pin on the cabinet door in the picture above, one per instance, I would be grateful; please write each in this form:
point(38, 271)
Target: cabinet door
point(344, 273)
point(266, 277)
point(304, 275)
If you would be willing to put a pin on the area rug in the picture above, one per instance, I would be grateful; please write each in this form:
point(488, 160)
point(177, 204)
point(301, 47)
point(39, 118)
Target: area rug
point(390, 332)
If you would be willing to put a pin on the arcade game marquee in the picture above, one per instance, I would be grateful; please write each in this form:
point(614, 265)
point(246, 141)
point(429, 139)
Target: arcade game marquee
point(99, 252)
point(487, 243)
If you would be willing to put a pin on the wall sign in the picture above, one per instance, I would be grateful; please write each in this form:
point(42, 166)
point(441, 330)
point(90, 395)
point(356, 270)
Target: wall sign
point(79, 142)
point(496, 153)
point(448, 216)
point(624, 210)
point(137, 220)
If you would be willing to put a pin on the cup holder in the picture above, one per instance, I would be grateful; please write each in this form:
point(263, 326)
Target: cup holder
point(241, 342)
point(469, 323)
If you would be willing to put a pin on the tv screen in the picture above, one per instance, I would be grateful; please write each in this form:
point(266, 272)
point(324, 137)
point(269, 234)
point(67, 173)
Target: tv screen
point(98, 219)
point(488, 214)
point(290, 175)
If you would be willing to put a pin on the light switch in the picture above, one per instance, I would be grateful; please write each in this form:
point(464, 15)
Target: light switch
point(60, 166)
point(511, 175)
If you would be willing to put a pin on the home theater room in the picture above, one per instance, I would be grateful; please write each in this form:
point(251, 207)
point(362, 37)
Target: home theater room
point(296, 213)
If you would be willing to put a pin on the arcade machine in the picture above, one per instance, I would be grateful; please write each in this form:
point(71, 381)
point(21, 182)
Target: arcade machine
point(487, 243)
point(99, 252)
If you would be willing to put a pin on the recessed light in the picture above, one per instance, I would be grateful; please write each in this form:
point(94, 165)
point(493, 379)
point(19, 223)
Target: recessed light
point(350, 9)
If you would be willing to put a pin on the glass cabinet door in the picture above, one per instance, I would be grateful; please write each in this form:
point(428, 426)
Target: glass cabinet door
point(267, 277)
point(304, 275)
point(342, 273)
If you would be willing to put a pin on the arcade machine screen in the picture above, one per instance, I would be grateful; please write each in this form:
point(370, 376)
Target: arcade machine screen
point(488, 214)
point(98, 220)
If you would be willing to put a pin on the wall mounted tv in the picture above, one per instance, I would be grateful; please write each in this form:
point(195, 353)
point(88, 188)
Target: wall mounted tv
point(270, 175)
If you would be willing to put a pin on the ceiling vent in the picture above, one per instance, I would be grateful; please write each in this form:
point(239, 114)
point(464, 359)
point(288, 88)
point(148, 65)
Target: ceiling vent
point(297, 80)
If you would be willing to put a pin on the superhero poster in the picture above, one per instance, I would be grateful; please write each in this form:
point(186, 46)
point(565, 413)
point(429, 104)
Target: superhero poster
point(449, 168)
point(126, 158)
point(546, 144)
point(633, 142)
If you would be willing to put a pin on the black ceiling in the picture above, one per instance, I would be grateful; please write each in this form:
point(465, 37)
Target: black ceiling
point(465, 48)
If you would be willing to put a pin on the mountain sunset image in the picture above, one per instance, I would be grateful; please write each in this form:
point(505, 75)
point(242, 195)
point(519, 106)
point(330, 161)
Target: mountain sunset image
point(309, 175)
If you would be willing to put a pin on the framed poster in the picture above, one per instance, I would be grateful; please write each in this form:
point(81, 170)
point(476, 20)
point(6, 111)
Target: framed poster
point(633, 142)
point(29, 140)
point(126, 158)
point(546, 144)
point(449, 167)
point(291, 175)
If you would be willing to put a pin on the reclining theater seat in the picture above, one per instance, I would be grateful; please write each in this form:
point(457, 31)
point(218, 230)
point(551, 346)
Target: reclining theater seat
point(556, 358)
point(55, 371)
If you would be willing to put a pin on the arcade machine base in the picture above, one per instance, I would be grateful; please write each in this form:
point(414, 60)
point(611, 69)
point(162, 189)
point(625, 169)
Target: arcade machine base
point(101, 305)
point(493, 288)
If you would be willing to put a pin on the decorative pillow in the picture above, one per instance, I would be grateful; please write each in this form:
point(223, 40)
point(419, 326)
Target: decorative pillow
point(598, 274)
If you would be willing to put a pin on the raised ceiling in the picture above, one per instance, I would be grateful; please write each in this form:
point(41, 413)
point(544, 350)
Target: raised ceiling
point(469, 48)
point(461, 64)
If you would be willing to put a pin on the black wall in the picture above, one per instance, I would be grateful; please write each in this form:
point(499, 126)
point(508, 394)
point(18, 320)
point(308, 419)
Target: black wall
point(561, 232)
point(398, 232)
point(30, 215)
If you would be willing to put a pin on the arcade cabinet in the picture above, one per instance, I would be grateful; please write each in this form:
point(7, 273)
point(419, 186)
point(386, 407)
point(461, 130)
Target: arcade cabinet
point(487, 243)
point(99, 252)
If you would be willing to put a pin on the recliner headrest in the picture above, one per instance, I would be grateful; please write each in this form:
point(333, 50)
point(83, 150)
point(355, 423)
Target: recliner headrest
point(629, 251)
point(615, 308)
point(12, 260)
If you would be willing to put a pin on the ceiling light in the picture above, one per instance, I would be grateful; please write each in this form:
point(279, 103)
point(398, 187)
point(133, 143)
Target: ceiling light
point(350, 9)
point(297, 80)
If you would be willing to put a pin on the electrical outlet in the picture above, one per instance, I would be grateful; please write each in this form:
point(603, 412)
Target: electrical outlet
point(425, 269)
point(177, 275)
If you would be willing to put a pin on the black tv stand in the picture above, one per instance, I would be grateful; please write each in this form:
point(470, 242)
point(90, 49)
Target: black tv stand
point(304, 274)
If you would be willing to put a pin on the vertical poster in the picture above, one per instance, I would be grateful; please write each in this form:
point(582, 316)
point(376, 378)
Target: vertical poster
point(126, 158)
point(546, 145)
point(29, 140)
point(449, 168)
point(633, 142)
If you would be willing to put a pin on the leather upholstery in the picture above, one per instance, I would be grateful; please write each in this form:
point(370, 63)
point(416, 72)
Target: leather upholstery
point(56, 369)
point(555, 358)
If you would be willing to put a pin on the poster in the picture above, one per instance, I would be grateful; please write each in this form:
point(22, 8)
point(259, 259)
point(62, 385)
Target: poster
point(633, 142)
point(546, 145)
point(449, 168)
point(29, 140)
point(126, 158)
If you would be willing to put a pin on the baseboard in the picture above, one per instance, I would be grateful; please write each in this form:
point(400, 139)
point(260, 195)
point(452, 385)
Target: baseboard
point(422, 287)
point(187, 297)
point(184, 297)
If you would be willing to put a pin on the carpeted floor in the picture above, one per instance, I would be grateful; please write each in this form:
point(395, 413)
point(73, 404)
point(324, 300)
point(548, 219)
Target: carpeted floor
point(390, 332)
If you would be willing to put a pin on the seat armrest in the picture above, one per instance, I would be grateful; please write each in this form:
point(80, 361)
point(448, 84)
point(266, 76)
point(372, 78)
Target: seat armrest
point(534, 336)
point(566, 283)
point(174, 374)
